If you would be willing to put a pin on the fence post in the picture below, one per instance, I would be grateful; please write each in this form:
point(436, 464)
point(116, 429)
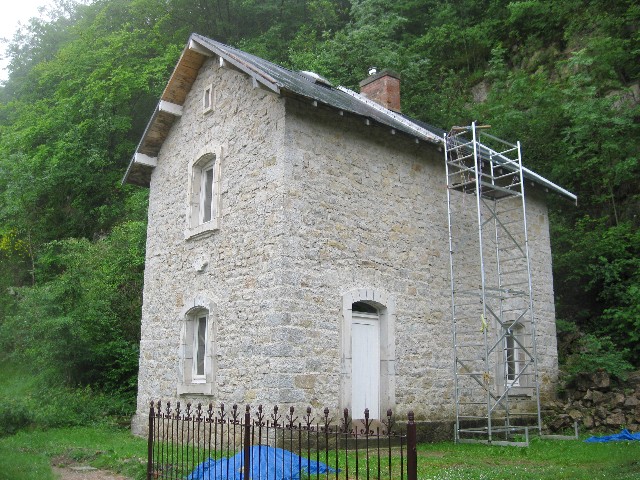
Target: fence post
point(412, 451)
point(150, 444)
point(246, 475)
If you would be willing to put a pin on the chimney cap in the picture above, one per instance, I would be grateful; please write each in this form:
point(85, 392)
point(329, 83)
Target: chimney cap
point(376, 76)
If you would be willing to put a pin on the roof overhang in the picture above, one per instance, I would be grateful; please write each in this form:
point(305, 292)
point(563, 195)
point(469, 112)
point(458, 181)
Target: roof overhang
point(277, 80)
point(169, 108)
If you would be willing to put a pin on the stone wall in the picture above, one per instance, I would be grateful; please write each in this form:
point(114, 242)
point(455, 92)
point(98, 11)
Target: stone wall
point(597, 403)
point(318, 210)
point(235, 268)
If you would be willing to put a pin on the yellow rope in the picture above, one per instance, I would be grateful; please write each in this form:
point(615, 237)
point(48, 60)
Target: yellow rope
point(485, 327)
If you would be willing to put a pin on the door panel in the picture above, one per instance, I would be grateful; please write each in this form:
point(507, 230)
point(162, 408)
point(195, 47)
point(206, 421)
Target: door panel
point(365, 370)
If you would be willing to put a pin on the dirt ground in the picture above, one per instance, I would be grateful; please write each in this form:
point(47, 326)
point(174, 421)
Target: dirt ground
point(78, 472)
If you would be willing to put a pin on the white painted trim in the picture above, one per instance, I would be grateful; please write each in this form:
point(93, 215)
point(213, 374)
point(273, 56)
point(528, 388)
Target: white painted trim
point(197, 47)
point(170, 108)
point(208, 98)
point(194, 227)
point(142, 159)
point(195, 377)
point(188, 382)
point(387, 314)
point(365, 364)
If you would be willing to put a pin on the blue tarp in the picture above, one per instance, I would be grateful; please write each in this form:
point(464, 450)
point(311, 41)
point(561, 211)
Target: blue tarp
point(267, 463)
point(624, 435)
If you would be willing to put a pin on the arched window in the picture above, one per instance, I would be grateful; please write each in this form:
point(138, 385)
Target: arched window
point(363, 307)
point(197, 355)
point(200, 337)
point(203, 212)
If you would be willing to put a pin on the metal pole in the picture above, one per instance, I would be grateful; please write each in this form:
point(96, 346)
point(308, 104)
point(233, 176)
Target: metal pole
point(453, 301)
point(412, 450)
point(531, 313)
point(478, 168)
point(246, 473)
point(150, 444)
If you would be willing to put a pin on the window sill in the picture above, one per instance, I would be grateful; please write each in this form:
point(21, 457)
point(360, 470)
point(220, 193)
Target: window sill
point(195, 388)
point(519, 391)
point(201, 230)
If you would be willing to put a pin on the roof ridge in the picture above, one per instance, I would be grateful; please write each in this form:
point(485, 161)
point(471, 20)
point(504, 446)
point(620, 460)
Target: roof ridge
point(253, 57)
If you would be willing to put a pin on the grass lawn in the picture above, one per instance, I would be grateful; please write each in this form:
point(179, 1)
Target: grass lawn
point(543, 459)
point(28, 455)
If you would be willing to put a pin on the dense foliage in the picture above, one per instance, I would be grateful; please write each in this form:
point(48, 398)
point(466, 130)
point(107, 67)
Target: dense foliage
point(562, 77)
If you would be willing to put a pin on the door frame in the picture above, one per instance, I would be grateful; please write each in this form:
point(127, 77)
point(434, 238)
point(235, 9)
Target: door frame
point(373, 320)
point(386, 306)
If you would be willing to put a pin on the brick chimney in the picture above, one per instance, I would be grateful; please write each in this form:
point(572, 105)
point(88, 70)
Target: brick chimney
point(383, 88)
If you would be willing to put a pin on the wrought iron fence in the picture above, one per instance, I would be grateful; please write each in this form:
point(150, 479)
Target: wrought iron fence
point(207, 443)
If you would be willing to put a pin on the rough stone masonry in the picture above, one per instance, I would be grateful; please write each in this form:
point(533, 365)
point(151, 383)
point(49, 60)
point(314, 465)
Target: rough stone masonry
point(317, 211)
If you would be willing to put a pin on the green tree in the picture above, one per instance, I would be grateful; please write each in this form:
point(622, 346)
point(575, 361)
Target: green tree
point(80, 323)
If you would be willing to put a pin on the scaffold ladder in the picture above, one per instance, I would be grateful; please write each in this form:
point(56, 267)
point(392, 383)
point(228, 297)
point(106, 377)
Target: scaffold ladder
point(497, 395)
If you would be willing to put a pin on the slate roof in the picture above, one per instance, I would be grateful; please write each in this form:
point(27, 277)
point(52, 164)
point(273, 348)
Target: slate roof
point(280, 80)
point(300, 84)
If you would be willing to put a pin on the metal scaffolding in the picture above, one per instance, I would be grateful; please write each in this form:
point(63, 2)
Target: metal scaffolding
point(497, 396)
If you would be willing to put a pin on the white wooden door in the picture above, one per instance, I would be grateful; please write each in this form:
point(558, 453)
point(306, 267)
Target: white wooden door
point(365, 365)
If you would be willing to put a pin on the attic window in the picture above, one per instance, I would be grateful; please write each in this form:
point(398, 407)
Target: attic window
point(207, 99)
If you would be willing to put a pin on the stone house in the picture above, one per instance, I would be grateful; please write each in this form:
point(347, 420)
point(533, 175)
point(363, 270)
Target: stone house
point(297, 247)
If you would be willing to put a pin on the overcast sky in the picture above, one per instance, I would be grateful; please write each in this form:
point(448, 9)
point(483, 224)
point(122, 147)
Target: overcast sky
point(13, 12)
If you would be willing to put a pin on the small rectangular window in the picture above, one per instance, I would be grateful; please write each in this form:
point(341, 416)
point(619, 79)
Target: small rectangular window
point(207, 99)
point(514, 357)
point(512, 361)
point(200, 347)
point(206, 189)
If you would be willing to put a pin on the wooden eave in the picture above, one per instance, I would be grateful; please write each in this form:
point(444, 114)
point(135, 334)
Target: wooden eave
point(183, 76)
point(178, 87)
point(176, 91)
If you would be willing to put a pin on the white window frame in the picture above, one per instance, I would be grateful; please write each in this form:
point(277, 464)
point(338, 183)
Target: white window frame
point(197, 224)
point(205, 184)
point(514, 363)
point(208, 98)
point(192, 382)
point(196, 376)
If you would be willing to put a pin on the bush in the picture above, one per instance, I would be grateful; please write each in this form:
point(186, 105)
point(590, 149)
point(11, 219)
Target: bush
point(14, 415)
point(29, 401)
point(88, 302)
point(63, 407)
point(591, 354)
